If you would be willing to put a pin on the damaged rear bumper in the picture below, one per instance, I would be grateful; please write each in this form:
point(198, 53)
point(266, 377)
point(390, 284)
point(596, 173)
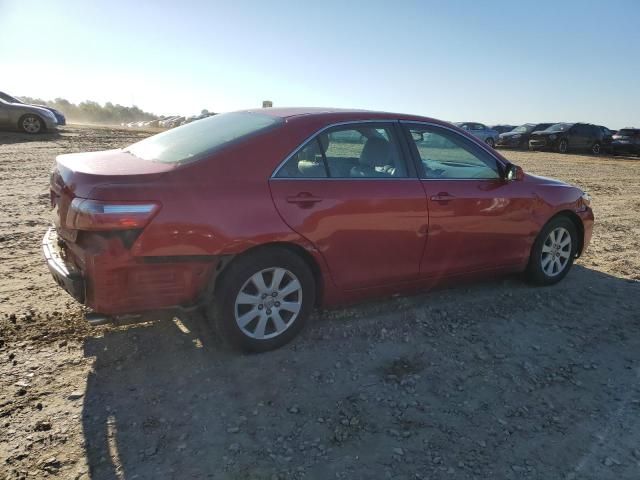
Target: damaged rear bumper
point(63, 273)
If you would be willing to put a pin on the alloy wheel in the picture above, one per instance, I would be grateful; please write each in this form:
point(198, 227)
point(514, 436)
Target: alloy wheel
point(596, 149)
point(268, 303)
point(31, 124)
point(556, 252)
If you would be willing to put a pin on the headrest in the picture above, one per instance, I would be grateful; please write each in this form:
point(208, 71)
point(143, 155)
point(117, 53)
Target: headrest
point(376, 153)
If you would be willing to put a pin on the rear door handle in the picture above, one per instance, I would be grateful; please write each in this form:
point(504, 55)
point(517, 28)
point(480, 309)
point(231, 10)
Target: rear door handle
point(303, 199)
point(442, 197)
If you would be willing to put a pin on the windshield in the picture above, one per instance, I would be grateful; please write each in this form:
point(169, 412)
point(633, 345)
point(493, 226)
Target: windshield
point(523, 128)
point(191, 142)
point(9, 98)
point(559, 127)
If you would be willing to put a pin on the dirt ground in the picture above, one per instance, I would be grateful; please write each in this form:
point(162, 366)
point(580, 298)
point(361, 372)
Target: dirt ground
point(492, 380)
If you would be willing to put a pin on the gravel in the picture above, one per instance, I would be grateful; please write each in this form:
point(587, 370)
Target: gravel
point(494, 379)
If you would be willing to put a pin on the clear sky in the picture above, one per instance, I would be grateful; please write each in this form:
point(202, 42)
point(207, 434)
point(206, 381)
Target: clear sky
point(486, 61)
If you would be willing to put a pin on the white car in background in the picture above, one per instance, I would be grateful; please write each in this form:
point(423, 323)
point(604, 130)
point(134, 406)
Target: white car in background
point(481, 131)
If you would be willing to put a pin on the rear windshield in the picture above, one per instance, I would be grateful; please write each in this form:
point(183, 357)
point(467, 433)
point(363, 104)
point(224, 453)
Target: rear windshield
point(195, 140)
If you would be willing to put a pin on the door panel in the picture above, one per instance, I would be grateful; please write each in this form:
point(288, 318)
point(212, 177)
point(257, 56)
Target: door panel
point(475, 225)
point(477, 219)
point(4, 114)
point(579, 139)
point(370, 232)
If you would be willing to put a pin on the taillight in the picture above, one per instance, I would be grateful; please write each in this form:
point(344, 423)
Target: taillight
point(85, 214)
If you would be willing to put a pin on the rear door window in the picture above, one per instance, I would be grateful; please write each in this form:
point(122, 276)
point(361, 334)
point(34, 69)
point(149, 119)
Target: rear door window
point(354, 151)
point(363, 151)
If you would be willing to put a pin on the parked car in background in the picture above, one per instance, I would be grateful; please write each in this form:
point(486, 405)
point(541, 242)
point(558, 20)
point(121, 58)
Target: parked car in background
point(165, 121)
point(27, 118)
point(607, 139)
point(174, 122)
point(565, 137)
point(481, 131)
point(60, 118)
point(519, 136)
point(259, 216)
point(177, 120)
point(626, 140)
point(503, 128)
point(194, 118)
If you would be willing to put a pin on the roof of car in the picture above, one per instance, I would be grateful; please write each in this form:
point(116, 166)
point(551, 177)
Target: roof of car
point(287, 112)
point(313, 118)
point(338, 114)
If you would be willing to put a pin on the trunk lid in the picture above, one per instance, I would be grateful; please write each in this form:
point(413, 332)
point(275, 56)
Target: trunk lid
point(106, 175)
point(110, 163)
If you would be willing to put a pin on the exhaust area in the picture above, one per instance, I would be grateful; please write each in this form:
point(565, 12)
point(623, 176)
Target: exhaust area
point(95, 319)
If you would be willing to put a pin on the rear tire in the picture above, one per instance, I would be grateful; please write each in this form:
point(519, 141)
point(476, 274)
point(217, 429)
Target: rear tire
point(263, 299)
point(553, 252)
point(489, 141)
point(596, 149)
point(31, 124)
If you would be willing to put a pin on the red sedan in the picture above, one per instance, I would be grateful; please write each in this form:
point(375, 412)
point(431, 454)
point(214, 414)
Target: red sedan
point(261, 215)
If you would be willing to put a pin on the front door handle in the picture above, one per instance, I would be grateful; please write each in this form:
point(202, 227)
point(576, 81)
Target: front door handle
point(304, 199)
point(442, 197)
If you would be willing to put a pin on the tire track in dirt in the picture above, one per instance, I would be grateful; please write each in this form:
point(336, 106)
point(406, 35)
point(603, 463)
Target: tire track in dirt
point(493, 379)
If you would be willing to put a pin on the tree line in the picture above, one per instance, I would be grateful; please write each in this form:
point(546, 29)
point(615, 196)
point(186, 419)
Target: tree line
point(92, 112)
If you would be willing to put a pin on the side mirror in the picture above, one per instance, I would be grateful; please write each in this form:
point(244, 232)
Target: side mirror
point(417, 136)
point(514, 172)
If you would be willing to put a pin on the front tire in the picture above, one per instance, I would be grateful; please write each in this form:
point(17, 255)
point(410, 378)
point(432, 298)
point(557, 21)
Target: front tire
point(489, 141)
point(553, 252)
point(263, 299)
point(31, 124)
point(596, 149)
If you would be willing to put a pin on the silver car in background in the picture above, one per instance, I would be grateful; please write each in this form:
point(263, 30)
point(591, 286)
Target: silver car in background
point(481, 131)
point(28, 118)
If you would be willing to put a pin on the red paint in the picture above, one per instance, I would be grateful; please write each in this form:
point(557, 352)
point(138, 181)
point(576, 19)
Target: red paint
point(368, 237)
point(370, 233)
point(484, 224)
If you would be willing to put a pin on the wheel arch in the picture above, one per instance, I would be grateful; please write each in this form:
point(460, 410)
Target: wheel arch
point(577, 221)
point(294, 248)
point(42, 121)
